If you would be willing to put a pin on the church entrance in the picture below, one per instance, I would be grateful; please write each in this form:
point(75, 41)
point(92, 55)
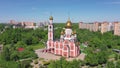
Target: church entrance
point(66, 51)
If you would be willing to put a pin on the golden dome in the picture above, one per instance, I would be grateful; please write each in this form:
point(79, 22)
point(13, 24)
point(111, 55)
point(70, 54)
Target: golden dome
point(62, 32)
point(77, 43)
point(51, 18)
point(74, 32)
point(68, 24)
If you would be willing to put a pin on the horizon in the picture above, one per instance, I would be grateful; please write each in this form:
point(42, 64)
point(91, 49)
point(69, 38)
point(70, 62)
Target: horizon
point(77, 10)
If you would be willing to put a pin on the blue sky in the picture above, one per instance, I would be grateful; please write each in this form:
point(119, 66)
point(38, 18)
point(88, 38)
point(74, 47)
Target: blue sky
point(77, 10)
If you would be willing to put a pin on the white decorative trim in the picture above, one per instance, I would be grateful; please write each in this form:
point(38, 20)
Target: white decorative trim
point(47, 44)
point(58, 48)
point(55, 48)
point(74, 49)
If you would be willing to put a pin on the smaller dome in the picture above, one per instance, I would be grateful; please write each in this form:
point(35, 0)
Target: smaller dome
point(77, 43)
point(62, 32)
point(51, 18)
point(74, 32)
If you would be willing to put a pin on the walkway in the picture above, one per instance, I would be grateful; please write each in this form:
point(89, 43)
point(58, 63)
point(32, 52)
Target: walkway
point(49, 56)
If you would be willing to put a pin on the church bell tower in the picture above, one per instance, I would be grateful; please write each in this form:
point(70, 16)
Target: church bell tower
point(50, 29)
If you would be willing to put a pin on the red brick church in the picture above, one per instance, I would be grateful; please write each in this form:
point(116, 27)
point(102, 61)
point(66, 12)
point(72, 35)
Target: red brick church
point(67, 45)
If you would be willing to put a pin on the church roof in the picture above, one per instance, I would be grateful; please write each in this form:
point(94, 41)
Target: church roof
point(51, 18)
point(69, 23)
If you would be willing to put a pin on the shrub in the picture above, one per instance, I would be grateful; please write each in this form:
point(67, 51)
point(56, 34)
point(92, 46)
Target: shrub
point(36, 62)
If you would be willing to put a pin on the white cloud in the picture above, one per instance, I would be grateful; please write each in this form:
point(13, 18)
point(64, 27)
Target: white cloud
point(33, 8)
point(46, 13)
point(114, 3)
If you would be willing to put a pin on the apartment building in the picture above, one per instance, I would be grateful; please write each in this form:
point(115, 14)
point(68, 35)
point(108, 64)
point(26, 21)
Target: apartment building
point(97, 26)
point(117, 28)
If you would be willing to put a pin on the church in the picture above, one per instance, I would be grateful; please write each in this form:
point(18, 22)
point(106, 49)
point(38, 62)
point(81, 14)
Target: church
point(67, 46)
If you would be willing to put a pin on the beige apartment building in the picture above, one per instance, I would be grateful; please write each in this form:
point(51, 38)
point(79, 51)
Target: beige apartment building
point(96, 26)
point(13, 22)
point(90, 26)
point(117, 28)
point(22, 24)
point(28, 24)
point(104, 27)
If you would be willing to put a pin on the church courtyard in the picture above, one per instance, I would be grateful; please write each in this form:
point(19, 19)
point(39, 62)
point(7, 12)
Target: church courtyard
point(49, 56)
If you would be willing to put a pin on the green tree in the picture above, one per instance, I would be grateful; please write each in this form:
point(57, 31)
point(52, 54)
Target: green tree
point(110, 65)
point(102, 58)
point(118, 64)
point(6, 53)
point(20, 44)
point(14, 56)
point(52, 65)
point(25, 64)
point(92, 59)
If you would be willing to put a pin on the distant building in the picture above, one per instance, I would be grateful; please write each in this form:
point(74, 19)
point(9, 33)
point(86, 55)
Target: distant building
point(89, 26)
point(28, 24)
point(46, 23)
point(42, 24)
point(67, 46)
point(97, 26)
point(117, 28)
point(17, 25)
point(104, 27)
point(13, 22)
point(22, 24)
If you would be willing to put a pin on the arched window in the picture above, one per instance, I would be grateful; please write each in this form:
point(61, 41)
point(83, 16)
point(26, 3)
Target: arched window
point(61, 45)
point(72, 47)
point(57, 45)
point(50, 27)
point(65, 47)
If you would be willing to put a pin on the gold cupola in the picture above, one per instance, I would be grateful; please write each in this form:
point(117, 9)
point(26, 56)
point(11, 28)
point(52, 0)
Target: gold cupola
point(51, 18)
point(68, 24)
point(62, 32)
point(74, 32)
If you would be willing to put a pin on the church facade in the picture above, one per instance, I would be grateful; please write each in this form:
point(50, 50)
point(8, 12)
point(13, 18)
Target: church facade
point(67, 46)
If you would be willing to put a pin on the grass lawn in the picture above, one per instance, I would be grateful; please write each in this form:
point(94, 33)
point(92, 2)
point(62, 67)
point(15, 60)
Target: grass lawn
point(37, 46)
point(112, 56)
point(82, 48)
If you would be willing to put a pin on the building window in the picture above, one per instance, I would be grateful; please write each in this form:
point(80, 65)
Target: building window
point(56, 51)
point(49, 44)
point(65, 48)
point(56, 45)
point(61, 46)
point(72, 47)
point(65, 54)
point(72, 54)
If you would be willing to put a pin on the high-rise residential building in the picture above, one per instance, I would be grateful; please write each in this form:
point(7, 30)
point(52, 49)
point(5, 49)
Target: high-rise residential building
point(89, 26)
point(104, 27)
point(28, 24)
point(22, 24)
point(97, 26)
point(117, 28)
point(13, 22)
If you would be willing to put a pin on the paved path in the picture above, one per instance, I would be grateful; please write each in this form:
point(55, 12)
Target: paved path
point(80, 57)
point(49, 56)
point(46, 56)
